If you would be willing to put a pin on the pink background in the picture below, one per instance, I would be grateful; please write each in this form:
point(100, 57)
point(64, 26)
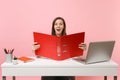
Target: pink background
point(19, 18)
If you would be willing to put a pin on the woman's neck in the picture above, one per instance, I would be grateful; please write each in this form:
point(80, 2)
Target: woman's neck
point(58, 35)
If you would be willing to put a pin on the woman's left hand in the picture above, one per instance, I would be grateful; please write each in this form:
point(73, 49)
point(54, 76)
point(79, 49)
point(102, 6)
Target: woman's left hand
point(82, 46)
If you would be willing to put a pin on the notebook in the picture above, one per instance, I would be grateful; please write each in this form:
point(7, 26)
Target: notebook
point(98, 52)
point(59, 48)
point(25, 59)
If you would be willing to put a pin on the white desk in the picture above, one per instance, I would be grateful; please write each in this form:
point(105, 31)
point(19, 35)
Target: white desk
point(69, 67)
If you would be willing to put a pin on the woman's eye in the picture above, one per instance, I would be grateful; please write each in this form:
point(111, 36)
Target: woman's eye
point(56, 24)
point(61, 24)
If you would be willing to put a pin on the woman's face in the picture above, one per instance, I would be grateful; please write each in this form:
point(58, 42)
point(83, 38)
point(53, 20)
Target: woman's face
point(58, 26)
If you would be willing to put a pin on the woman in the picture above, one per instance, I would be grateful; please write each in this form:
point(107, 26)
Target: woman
point(58, 29)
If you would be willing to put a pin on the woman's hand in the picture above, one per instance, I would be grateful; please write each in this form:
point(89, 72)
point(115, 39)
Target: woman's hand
point(82, 46)
point(35, 46)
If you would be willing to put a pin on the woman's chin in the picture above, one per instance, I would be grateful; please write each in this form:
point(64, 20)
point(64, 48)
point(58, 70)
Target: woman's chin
point(58, 33)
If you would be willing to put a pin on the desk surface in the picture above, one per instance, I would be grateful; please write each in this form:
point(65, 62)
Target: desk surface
point(66, 67)
point(69, 63)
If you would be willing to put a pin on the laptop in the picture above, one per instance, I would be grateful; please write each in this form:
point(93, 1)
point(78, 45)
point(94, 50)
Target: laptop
point(98, 52)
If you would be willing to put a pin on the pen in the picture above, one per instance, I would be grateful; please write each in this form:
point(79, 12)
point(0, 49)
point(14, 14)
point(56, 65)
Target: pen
point(5, 51)
point(9, 51)
point(12, 51)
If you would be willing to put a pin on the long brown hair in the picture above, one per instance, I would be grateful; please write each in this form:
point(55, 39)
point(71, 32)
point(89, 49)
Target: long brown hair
point(64, 30)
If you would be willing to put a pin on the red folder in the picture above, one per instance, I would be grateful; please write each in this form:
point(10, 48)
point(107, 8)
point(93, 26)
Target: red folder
point(59, 48)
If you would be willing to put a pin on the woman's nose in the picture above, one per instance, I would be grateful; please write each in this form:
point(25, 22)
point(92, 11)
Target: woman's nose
point(58, 25)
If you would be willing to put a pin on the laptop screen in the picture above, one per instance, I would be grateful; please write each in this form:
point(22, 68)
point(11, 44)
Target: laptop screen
point(100, 51)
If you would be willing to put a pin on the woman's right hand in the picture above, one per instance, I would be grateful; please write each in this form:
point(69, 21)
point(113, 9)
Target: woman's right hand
point(35, 46)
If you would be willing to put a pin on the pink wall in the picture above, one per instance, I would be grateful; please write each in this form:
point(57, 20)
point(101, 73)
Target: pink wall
point(19, 18)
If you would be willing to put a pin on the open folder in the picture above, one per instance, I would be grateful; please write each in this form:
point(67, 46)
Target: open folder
point(59, 48)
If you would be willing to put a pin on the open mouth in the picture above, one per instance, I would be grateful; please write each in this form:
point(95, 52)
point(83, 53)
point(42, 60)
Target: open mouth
point(58, 29)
